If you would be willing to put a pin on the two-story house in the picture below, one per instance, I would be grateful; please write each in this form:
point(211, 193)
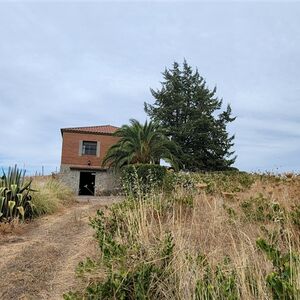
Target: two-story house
point(83, 150)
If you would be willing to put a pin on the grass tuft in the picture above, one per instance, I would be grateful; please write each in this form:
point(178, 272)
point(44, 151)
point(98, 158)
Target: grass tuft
point(50, 195)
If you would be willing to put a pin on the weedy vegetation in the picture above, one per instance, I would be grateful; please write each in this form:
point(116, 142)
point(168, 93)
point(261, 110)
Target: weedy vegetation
point(189, 240)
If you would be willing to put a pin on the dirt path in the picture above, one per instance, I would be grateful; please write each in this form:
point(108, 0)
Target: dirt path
point(40, 263)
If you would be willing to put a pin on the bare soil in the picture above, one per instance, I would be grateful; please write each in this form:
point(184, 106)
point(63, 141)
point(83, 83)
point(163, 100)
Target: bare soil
point(38, 261)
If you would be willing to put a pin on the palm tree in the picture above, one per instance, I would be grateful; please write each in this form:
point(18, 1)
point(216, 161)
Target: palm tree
point(144, 144)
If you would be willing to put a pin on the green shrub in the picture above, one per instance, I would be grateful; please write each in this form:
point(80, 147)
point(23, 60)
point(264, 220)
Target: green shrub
point(232, 214)
point(217, 283)
point(137, 284)
point(226, 181)
point(141, 178)
point(216, 182)
point(295, 215)
point(129, 273)
point(261, 209)
point(179, 179)
point(15, 195)
point(105, 234)
point(282, 279)
point(133, 284)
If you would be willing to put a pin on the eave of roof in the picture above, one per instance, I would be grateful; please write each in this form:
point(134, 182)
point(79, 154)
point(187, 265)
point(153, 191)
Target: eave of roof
point(88, 168)
point(100, 130)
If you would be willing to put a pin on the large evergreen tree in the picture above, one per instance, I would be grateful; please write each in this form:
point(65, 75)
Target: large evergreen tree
point(192, 116)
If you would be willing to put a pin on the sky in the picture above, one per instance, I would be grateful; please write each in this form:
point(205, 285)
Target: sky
point(65, 64)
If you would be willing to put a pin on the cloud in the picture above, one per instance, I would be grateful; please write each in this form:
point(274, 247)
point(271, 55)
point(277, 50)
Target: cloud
point(77, 64)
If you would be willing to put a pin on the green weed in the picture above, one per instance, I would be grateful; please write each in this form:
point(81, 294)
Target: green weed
point(282, 279)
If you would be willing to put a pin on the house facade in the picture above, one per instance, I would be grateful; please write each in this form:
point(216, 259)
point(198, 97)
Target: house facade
point(83, 150)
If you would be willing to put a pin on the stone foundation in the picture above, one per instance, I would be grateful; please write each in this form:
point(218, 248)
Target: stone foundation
point(106, 182)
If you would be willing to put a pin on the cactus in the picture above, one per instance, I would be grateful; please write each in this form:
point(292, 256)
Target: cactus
point(15, 195)
point(11, 205)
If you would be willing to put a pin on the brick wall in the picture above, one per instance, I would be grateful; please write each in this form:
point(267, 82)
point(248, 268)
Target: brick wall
point(71, 148)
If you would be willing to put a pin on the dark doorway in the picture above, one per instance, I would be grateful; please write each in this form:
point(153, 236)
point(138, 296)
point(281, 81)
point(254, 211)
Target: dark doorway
point(87, 184)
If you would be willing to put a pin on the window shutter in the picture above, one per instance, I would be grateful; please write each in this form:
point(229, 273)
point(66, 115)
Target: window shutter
point(80, 148)
point(98, 149)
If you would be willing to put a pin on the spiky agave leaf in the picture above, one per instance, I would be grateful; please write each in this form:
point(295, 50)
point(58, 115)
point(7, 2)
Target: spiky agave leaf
point(32, 206)
point(25, 186)
point(1, 203)
point(14, 189)
point(13, 176)
point(11, 205)
point(21, 211)
point(20, 199)
point(2, 190)
point(8, 194)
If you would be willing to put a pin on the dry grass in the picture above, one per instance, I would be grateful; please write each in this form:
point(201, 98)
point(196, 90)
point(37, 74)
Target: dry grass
point(50, 195)
point(13, 227)
point(213, 235)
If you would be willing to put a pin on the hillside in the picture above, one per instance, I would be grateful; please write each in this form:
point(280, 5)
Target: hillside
point(216, 236)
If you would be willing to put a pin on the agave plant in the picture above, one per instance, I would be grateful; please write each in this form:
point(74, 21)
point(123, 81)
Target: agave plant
point(15, 198)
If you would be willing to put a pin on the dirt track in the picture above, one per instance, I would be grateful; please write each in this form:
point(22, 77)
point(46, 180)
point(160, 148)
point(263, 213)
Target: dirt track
point(40, 262)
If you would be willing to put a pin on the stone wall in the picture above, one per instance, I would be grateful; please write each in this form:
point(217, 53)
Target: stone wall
point(70, 178)
point(106, 182)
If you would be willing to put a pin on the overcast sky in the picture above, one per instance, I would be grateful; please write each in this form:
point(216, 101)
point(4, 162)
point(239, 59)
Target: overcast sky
point(77, 64)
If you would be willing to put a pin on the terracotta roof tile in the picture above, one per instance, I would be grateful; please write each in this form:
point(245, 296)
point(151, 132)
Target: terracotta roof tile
point(104, 129)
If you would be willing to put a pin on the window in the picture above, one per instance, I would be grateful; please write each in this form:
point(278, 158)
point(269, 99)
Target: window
point(89, 148)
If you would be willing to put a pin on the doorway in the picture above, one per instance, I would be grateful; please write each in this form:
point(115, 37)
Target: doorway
point(87, 184)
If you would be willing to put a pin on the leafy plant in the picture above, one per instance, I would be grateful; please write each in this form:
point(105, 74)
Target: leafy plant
point(141, 144)
point(282, 280)
point(138, 283)
point(142, 178)
point(295, 215)
point(105, 234)
point(226, 181)
point(217, 283)
point(261, 209)
point(173, 180)
point(127, 275)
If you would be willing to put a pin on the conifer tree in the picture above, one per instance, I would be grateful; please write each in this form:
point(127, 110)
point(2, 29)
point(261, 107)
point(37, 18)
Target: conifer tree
point(191, 115)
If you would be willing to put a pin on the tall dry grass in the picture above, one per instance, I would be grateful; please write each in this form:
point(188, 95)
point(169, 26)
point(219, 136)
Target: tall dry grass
point(196, 245)
point(50, 195)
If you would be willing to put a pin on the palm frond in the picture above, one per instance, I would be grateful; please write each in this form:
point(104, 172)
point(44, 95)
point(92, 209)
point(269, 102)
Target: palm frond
point(141, 143)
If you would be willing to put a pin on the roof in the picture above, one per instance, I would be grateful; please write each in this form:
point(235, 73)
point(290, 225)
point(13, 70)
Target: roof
point(100, 129)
